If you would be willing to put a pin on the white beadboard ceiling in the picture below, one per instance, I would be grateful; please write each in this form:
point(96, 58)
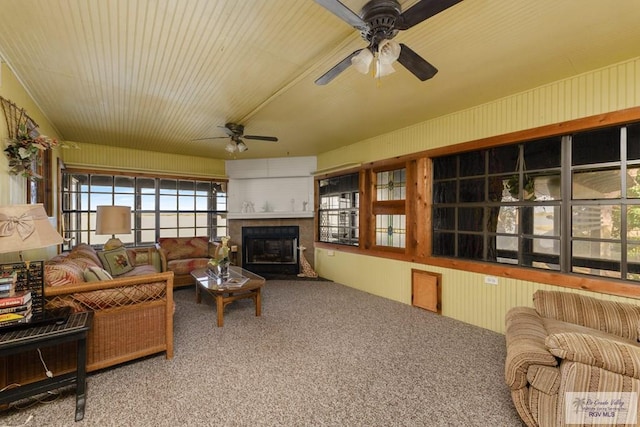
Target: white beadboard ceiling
point(156, 74)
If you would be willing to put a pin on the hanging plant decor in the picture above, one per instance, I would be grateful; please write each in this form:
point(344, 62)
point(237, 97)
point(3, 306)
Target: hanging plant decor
point(528, 189)
point(25, 146)
point(25, 151)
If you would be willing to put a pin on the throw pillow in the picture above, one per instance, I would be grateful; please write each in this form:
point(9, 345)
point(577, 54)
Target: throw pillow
point(95, 274)
point(59, 274)
point(116, 261)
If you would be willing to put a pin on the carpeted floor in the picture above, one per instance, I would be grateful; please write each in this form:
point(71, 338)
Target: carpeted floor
point(321, 354)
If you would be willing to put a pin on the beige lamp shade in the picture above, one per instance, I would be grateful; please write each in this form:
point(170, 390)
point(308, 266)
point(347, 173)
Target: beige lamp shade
point(113, 220)
point(24, 227)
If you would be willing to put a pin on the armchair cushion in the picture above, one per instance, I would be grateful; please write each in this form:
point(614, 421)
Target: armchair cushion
point(181, 248)
point(607, 316)
point(618, 357)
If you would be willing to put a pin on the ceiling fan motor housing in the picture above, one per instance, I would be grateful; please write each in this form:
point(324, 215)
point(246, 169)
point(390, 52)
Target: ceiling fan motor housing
point(381, 16)
point(235, 128)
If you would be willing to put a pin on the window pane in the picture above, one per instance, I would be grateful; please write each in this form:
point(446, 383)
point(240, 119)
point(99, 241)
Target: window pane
point(186, 220)
point(472, 163)
point(124, 184)
point(168, 186)
point(506, 243)
point(595, 222)
point(546, 220)
point(598, 146)
point(444, 244)
point(633, 223)
point(470, 219)
point(597, 184)
point(338, 219)
point(547, 187)
point(168, 220)
point(148, 203)
point(124, 200)
point(148, 220)
point(503, 159)
point(445, 167)
point(508, 220)
point(471, 190)
point(391, 185)
point(470, 246)
point(597, 250)
point(168, 203)
point(390, 230)
point(633, 183)
point(444, 218)
point(633, 142)
point(543, 154)
point(444, 192)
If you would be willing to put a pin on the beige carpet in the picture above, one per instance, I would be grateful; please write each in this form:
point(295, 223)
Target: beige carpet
point(322, 354)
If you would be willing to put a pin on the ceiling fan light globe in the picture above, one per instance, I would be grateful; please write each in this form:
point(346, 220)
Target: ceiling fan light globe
point(362, 61)
point(231, 147)
point(383, 69)
point(388, 52)
point(242, 147)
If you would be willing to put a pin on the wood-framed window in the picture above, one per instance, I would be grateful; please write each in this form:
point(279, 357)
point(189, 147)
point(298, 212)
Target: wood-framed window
point(161, 206)
point(521, 205)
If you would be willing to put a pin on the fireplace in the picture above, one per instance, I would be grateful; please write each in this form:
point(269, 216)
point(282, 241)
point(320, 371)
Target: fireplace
point(270, 249)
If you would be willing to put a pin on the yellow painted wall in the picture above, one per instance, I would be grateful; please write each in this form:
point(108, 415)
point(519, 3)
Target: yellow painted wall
point(102, 156)
point(13, 189)
point(465, 296)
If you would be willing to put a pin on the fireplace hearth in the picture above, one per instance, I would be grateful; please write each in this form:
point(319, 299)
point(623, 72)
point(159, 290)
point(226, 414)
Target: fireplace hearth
point(270, 249)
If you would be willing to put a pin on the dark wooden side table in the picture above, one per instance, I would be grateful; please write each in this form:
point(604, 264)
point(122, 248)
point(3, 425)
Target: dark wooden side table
point(22, 340)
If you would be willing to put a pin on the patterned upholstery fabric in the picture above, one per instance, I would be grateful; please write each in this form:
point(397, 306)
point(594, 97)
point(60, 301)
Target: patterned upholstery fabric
point(608, 316)
point(569, 342)
point(182, 255)
point(69, 268)
point(183, 248)
point(185, 266)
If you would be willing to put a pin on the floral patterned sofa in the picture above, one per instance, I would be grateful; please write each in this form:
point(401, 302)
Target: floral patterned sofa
point(133, 310)
point(182, 255)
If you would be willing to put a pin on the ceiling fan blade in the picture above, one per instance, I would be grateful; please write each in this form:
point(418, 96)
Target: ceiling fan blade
point(226, 130)
point(416, 64)
point(343, 12)
point(261, 138)
point(210, 137)
point(421, 11)
point(337, 69)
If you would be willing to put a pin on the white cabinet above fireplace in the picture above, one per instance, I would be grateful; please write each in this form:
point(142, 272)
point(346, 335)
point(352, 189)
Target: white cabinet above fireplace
point(270, 188)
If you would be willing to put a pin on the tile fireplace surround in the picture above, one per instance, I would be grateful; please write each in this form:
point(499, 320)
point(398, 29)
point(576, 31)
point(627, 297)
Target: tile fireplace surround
point(305, 227)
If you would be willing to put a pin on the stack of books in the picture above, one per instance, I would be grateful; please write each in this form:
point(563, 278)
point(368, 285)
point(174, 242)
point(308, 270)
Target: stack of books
point(7, 283)
point(15, 309)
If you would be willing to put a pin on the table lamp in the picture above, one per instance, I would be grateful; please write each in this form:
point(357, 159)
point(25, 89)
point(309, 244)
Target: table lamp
point(113, 220)
point(24, 227)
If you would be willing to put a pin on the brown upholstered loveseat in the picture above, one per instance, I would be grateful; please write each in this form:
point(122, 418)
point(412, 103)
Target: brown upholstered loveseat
point(569, 343)
point(133, 313)
point(182, 255)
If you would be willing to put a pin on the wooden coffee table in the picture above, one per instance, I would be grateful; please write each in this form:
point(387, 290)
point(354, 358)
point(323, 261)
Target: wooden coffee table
point(240, 284)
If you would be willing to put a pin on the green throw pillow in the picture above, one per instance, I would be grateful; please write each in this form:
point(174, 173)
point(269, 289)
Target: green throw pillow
point(116, 261)
point(95, 274)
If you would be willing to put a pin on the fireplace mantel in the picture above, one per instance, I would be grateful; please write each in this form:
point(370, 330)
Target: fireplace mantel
point(269, 215)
